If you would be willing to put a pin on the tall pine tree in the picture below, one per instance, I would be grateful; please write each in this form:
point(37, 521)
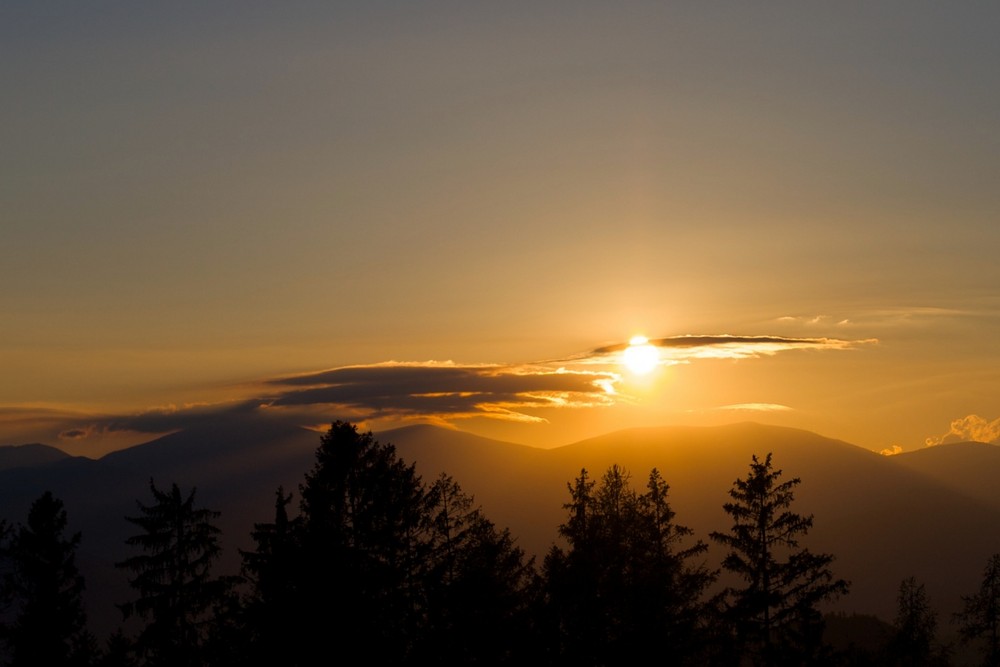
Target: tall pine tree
point(775, 611)
point(177, 593)
point(626, 585)
point(44, 590)
point(476, 585)
point(377, 564)
point(913, 645)
point(271, 572)
point(362, 512)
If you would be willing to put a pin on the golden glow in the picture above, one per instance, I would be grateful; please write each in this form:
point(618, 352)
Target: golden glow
point(640, 357)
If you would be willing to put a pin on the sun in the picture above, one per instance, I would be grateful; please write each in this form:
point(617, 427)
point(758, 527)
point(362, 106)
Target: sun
point(640, 357)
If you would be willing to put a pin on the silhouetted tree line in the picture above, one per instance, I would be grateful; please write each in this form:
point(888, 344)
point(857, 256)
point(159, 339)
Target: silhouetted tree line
point(373, 563)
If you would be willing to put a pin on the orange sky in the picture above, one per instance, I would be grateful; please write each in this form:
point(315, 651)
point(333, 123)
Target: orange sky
point(200, 203)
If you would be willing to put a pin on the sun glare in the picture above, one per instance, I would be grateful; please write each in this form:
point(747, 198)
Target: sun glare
point(640, 357)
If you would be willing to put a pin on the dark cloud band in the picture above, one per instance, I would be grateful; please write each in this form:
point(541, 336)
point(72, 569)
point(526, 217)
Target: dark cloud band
point(446, 391)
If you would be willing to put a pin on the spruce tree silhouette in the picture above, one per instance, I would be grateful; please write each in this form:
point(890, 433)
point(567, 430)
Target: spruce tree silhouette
point(477, 585)
point(378, 565)
point(44, 590)
point(916, 628)
point(270, 606)
point(774, 614)
point(177, 593)
point(625, 587)
point(361, 511)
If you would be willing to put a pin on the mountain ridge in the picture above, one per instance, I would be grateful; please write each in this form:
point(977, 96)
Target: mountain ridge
point(883, 518)
point(31, 454)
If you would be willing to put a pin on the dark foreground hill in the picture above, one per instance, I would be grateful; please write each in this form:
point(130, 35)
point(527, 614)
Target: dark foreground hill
point(883, 518)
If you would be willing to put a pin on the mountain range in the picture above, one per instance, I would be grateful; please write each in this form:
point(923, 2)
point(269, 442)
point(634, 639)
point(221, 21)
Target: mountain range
point(933, 514)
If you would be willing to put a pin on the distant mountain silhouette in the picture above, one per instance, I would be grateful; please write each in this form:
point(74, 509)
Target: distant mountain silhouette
point(20, 456)
point(971, 468)
point(931, 514)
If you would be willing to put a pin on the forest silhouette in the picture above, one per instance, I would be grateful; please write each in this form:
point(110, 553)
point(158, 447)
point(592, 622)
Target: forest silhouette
point(366, 560)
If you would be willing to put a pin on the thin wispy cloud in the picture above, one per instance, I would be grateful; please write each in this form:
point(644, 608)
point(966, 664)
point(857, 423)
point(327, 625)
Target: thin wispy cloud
point(815, 321)
point(75, 426)
point(755, 407)
point(681, 349)
point(905, 316)
point(172, 418)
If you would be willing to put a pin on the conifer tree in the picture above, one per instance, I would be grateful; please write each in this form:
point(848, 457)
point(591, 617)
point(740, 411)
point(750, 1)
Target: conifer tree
point(980, 617)
point(119, 651)
point(270, 571)
point(572, 579)
point(44, 590)
point(625, 586)
point(916, 627)
point(671, 578)
point(376, 563)
point(172, 576)
point(362, 512)
point(475, 584)
point(775, 611)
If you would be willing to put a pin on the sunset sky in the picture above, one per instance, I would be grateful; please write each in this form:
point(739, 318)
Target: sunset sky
point(462, 212)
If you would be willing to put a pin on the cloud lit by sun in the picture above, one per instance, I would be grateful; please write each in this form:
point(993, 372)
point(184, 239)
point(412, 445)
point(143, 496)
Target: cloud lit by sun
point(390, 393)
point(640, 357)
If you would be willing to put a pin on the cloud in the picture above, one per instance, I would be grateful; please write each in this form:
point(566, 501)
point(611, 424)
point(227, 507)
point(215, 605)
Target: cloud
point(19, 424)
point(895, 317)
point(443, 392)
point(755, 407)
point(446, 390)
point(75, 433)
point(969, 428)
point(724, 346)
point(892, 451)
point(805, 319)
point(167, 419)
point(514, 392)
